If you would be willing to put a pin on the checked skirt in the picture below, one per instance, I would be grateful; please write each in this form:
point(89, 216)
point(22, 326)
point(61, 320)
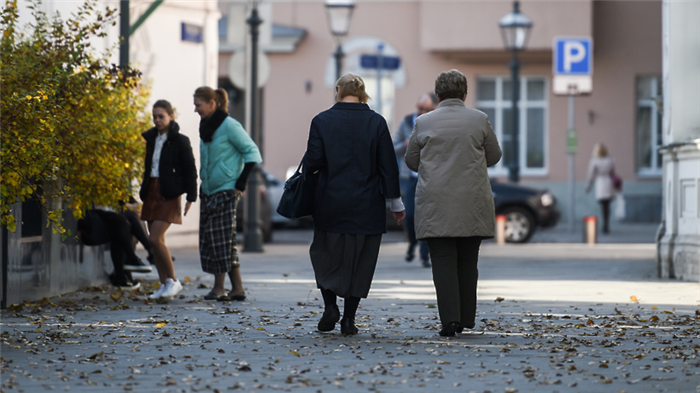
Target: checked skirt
point(217, 232)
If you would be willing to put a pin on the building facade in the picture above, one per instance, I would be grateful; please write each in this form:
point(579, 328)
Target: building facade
point(678, 243)
point(433, 36)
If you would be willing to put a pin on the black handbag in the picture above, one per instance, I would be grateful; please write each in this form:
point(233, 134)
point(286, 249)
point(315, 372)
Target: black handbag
point(298, 196)
point(93, 231)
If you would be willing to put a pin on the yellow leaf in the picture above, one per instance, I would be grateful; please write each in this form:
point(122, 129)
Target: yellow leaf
point(654, 308)
point(634, 298)
point(295, 353)
point(160, 325)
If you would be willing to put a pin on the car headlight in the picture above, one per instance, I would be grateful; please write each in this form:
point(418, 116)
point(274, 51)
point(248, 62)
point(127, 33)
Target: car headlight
point(546, 199)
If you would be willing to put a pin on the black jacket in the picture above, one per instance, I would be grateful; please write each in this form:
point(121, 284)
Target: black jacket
point(351, 147)
point(177, 171)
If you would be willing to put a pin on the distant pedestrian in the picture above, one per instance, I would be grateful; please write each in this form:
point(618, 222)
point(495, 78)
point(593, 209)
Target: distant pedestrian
point(409, 179)
point(451, 148)
point(228, 156)
point(170, 172)
point(601, 172)
point(350, 147)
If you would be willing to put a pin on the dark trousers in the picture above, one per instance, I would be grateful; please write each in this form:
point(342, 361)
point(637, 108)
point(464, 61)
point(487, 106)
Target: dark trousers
point(455, 275)
point(120, 247)
point(137, 229)
point(605, 207)
point(408, 189)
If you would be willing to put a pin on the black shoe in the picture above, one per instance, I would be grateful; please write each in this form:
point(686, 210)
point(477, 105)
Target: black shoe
point(347, 326)
point(426, 262)
point(138, 267)
point(239, 297)
point(124, 284)
point(410, 254)
point(330, 317)
point(451, 329)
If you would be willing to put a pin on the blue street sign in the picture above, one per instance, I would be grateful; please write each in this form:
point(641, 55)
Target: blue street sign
point(388, 62)
point(573, 56)
point(191, 33)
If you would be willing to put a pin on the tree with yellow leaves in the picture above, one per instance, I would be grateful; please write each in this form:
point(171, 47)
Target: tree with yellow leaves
point(71, 123)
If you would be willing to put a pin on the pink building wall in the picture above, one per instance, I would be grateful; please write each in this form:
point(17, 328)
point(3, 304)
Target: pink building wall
point(432, 36)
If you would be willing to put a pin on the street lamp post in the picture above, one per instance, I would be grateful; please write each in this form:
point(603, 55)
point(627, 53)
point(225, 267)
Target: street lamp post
point(515, 30)
point(124, 35)
point(253, 234)
point(339, 13)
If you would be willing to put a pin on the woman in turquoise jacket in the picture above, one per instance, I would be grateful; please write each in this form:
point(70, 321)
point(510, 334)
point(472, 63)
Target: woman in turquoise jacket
point(227, 156)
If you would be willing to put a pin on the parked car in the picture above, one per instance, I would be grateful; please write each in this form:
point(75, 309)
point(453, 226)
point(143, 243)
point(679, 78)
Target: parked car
point(525, 209)
point(265, 209)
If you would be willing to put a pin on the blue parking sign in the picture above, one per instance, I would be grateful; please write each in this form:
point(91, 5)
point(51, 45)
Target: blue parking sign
point(573, 56)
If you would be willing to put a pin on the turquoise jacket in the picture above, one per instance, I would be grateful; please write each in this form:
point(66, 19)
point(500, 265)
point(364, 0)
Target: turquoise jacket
point(223, 158)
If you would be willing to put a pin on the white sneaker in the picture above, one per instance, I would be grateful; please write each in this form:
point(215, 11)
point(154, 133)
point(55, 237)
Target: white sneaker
point(171, 288)
point(155, 295)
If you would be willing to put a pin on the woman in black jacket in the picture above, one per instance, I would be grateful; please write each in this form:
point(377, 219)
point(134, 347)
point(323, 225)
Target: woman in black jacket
point(351, 148)
point(170, 172)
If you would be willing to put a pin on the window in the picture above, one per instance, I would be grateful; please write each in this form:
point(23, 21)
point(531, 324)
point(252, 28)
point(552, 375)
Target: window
point(223, 29)
point(494, 98)
point(649, 130)
point(382, 100)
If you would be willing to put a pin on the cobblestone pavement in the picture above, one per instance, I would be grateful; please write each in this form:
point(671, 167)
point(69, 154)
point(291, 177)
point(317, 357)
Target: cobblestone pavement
point(551, 318)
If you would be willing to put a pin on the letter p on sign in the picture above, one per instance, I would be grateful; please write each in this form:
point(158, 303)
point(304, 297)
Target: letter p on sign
point(574, 52)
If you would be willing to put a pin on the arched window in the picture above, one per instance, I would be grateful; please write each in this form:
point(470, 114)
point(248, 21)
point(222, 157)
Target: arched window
point(380, 83)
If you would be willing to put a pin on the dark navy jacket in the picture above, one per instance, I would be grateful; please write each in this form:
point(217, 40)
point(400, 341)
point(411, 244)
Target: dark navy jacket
point(351, 148)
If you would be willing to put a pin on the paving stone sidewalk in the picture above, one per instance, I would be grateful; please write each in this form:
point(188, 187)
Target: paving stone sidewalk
point(551, 318)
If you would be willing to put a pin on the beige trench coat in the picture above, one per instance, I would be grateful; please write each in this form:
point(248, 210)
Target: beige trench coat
point(450, 148)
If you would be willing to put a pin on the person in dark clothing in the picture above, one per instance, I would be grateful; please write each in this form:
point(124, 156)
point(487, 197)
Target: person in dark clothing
point(170, 172)
point(138, 232)
point(124, 259)
point(351, 152)
point(409, 179)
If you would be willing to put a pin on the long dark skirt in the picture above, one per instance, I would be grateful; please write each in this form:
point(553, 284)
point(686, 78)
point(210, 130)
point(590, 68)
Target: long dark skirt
point(344, 263)
point(217, 232)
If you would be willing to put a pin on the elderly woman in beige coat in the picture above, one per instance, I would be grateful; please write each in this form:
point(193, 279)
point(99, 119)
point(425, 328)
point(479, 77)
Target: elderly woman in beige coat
point(450, 148)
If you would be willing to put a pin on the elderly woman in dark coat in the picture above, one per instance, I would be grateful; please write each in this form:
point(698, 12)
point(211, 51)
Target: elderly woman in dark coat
point(351, 152)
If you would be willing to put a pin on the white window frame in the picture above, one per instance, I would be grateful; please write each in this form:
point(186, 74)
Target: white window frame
point(656, 169)
point(501, 169)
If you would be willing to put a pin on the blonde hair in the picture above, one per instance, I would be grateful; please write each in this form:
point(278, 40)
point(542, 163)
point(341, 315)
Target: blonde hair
point(599, 150)
point(351, 85)
point(207, 94)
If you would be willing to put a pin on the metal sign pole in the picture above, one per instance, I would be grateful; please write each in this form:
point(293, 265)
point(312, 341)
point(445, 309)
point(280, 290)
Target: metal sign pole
point(571, 150)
